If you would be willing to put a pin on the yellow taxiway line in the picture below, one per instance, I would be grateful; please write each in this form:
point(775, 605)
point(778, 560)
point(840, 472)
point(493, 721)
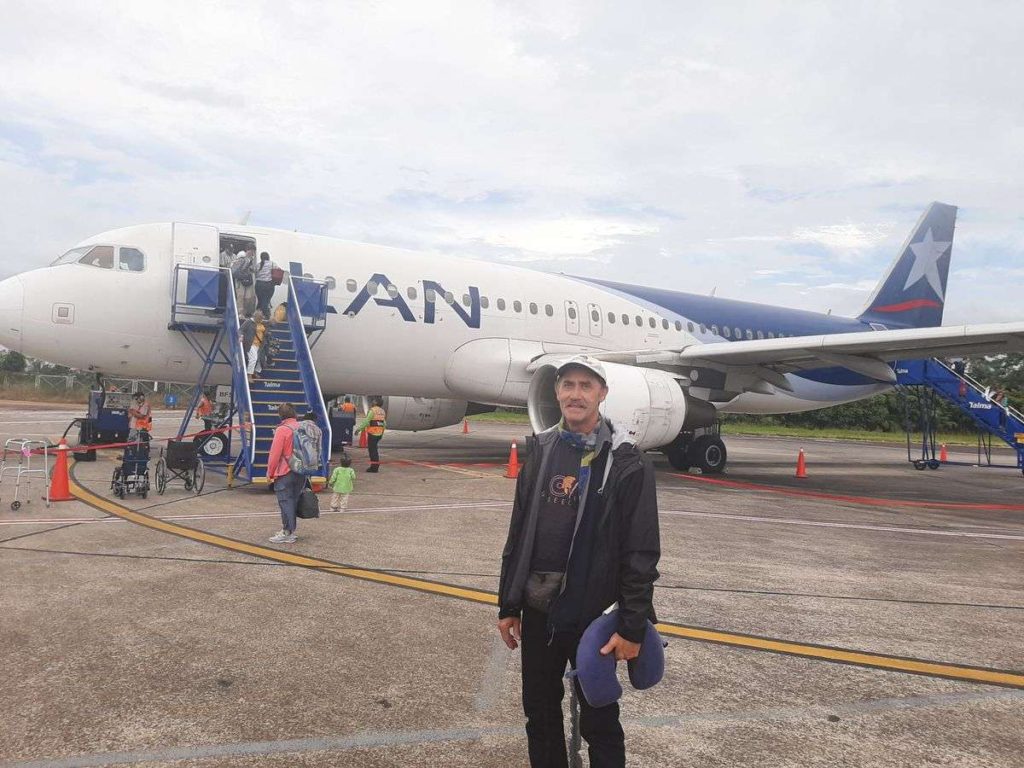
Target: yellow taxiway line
point(701, 634)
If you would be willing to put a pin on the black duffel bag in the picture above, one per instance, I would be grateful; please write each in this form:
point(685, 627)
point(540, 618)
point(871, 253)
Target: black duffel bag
point(309, 506)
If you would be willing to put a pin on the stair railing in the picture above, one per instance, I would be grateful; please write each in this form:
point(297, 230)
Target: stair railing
point(307, 297)
point(240, 387)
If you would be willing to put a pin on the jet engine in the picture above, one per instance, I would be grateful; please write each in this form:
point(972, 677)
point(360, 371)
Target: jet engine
point(415, 413)
point(649, 405)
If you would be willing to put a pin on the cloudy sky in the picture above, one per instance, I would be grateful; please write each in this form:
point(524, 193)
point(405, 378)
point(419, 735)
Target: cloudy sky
point(777, 152)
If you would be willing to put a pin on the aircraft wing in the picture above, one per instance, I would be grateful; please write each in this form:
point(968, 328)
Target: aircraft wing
point(867, 353)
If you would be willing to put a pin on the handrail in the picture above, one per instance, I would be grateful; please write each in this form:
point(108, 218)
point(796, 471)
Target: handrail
point(304, 359)
point(1009, 409)
point(240, 382)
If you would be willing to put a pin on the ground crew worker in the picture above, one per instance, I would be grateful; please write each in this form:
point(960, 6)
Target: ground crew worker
point(204, 410)
point(374, 424)
point(346, 421)
point(141, 415)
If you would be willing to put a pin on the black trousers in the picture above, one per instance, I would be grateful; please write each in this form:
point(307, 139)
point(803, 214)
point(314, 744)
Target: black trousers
point(371, 446)
point(264, 293)
point(543, 668)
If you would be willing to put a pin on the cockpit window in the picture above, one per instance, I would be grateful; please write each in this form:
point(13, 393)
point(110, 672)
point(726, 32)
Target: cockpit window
point(71, 256)
point(130, 260)
point(99, 256)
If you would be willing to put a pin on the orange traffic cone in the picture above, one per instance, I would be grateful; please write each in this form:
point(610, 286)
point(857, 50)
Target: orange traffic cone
point(465, 426)
point(59, 487)
point(512, 471)
point(363, 442)
point(801, 465)
point(943, 456)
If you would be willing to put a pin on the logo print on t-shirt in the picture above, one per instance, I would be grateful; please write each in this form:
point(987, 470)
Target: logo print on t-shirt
point(561, 486)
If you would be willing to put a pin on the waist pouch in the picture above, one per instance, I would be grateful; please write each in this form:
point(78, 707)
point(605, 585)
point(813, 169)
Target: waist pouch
point(542, 587)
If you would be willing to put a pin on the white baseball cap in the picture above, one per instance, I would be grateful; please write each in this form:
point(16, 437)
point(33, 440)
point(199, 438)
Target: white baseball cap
point(584, 361)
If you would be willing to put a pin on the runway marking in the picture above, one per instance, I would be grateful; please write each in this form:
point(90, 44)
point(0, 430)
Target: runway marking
point(449, 468)
point(864, 500)
point(856, 526)
point(378, 739)
point(703, 634)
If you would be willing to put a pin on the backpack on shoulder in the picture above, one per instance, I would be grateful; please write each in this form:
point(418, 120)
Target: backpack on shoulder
point(305, 458)
point(241, 271)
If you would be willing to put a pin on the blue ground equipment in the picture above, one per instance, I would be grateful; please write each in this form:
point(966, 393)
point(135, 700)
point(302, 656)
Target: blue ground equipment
point(106, 422)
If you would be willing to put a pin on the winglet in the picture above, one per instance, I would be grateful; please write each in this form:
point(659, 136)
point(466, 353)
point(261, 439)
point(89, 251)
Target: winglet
point(913, 292)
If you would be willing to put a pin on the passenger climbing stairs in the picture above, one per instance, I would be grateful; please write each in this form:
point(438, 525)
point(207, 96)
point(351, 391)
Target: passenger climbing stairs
point(991, 418)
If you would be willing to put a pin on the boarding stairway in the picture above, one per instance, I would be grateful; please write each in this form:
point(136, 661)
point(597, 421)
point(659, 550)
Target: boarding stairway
point(203, 303)
point(934, 379)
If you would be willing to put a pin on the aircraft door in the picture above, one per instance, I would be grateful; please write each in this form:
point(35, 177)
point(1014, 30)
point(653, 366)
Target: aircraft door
point(196, 244)
point(596, 324)
point(572, 317)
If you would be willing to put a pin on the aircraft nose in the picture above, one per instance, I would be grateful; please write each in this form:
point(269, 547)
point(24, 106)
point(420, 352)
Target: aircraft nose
point(12, 304)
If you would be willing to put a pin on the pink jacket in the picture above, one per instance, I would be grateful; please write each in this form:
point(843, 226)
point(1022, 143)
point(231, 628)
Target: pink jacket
point(281, 449)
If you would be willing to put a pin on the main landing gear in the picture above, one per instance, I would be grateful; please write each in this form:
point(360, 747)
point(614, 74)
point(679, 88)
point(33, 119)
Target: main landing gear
point(701, 448)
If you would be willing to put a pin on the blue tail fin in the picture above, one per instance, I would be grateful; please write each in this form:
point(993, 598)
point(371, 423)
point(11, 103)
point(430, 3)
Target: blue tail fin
point(913, 293)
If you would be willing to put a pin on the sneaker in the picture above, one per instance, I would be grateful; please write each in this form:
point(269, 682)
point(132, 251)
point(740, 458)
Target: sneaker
point(281, 537)
point(289, 539)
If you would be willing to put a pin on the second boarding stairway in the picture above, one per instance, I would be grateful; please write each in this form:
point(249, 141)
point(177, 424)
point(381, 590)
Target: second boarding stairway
point(992, 418)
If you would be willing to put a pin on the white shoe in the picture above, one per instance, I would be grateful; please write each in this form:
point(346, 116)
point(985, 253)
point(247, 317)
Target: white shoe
point(283, 537)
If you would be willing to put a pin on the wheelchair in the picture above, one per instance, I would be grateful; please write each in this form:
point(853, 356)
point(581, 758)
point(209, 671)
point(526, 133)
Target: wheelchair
point(180, 461)
point(132, 474)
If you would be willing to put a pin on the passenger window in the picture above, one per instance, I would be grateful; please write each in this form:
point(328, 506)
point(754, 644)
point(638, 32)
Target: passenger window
point(330, 283)
point(429, 294)
point(411, 293)
point(738, 332)
point(664, 324)
point(465, 299)
point(130, 260)
point(679, 325)
point(611, 318)
point(750, 334)
point(501, 304)
point(771, 334)
point(517, 305)
point(533, 308)
point(449, 297)
point(393, 291)
point(727, 332)
point(625, 319)
point(595, 315)
point(652, 322)
point(351, 286)
point(572, 313)
point(714, 329)
point(689, 327)
point(639, 320)
point(101, 256)
point(549, 310)
point(484, 302)
point(371, 287)
point(703, 328)
point(760, 334)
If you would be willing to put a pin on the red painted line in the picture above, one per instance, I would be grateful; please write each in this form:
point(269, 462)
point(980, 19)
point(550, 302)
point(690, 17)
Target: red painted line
point(865, 500)
point(906, 305)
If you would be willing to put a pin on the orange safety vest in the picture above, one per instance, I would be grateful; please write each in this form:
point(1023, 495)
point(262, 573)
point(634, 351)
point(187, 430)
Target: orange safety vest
point(377, 416)
point(144, 420)
point(348, 408)
point(205, 407)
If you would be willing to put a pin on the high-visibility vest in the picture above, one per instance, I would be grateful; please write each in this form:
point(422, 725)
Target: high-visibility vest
point(144, 420)
point(377, 416)
point(205, 407)
point(348, 408)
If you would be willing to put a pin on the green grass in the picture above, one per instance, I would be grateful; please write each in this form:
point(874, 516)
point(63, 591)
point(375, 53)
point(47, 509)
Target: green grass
point(773, 430)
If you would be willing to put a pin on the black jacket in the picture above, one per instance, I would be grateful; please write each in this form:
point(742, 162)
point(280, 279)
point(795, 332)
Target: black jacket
point(615, 549)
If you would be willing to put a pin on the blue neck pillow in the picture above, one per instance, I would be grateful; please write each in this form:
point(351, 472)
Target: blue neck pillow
point(596, 673)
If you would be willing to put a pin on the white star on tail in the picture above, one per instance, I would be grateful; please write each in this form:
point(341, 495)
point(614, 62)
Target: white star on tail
point(926, 262)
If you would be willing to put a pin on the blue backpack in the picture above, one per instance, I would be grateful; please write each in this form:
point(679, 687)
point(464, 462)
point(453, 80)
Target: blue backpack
point(305, 458)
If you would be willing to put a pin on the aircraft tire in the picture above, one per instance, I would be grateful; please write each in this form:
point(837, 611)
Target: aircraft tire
point(678, 456)
point(708, 452)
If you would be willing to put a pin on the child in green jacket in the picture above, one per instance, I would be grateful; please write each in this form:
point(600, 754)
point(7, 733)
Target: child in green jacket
point(342, 482)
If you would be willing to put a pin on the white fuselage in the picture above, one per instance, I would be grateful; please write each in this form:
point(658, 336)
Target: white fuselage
point(116, 322)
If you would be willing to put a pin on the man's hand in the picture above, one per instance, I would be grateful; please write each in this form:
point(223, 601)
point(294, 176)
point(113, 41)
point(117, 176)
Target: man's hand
point(511, 632)
point(623, 648)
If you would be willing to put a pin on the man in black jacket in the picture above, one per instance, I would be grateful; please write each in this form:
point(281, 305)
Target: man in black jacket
point(584, 535)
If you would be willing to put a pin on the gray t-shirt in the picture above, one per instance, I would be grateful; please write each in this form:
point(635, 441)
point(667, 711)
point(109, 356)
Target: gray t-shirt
point(559, 502)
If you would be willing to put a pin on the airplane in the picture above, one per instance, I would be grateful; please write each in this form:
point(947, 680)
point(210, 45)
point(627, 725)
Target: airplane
point(443, 335)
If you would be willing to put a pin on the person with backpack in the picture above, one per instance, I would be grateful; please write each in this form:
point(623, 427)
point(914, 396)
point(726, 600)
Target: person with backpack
point(288, 484)
point(243, 274)
point(374, 424)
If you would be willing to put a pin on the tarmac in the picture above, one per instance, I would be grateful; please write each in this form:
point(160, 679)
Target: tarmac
point(868, 615)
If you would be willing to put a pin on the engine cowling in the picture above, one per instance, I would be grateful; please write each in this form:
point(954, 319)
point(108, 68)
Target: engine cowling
point(650, 405)
point(415, 413)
